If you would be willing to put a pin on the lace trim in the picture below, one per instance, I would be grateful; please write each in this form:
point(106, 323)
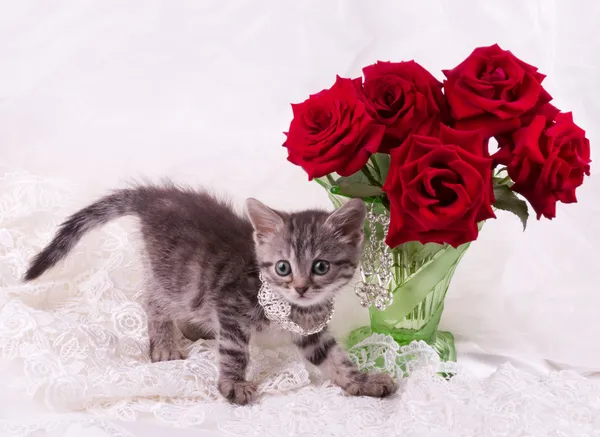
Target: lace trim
point(55, 424)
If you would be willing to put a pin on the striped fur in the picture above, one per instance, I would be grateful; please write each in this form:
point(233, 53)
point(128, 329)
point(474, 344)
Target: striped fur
point(323, 351)
point(202, 274)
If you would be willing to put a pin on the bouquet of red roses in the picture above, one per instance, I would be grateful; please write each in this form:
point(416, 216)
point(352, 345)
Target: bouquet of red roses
point(420, 147)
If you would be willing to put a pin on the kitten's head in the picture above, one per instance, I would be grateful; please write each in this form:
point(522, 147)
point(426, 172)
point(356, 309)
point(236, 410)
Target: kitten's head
point(307, 256)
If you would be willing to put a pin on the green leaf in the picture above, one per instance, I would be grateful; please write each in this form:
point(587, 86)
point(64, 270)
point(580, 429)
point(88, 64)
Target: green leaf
point(374, 168)
point(357, 185)
point(502, 181)
point(356, 178)
point(507, 200)
point(382, 162)
point(358, 190)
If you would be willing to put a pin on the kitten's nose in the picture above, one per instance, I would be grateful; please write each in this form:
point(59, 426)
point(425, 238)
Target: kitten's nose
point(301, 290)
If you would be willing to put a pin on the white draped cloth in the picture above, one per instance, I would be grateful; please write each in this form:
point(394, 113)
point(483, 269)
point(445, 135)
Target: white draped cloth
point(74, 344)
point(97, 92)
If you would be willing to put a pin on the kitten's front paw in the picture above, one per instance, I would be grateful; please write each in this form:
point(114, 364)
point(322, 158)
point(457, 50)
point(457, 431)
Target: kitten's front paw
point(377, 385)
point(238, 392)
point(165, 352)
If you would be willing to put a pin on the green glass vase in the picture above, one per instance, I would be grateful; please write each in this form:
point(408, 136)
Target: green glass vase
point(420, 278)
point(404, 287)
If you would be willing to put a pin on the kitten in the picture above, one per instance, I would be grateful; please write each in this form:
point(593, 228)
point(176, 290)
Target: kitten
point(203, 275)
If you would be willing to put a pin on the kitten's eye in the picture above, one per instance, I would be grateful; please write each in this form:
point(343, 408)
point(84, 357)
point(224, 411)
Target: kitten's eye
point(283, 268)
point(320, 267)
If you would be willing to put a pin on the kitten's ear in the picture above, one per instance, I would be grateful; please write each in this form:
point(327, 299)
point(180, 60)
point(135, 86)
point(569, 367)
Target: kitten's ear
point(348, 221)
point(265, 221)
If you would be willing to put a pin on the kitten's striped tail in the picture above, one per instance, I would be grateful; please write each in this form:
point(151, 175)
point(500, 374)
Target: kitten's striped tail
point(118, 204)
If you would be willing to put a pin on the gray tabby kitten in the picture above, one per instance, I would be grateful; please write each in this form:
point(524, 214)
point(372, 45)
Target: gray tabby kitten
point(203, 275)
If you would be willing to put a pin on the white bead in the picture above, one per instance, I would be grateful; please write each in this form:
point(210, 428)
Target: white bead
point(376, 266)
point(278, 311)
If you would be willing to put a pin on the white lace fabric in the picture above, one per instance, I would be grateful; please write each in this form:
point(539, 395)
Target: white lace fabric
point(79, 335)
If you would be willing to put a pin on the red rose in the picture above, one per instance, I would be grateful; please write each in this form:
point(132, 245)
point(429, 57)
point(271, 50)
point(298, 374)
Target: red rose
point(494, 91)
point(332, 131)
point(547, 162)
point(404, 97)
point(439, 188)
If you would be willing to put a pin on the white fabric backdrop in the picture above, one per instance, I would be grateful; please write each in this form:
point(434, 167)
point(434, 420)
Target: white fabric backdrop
point(102, 92)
